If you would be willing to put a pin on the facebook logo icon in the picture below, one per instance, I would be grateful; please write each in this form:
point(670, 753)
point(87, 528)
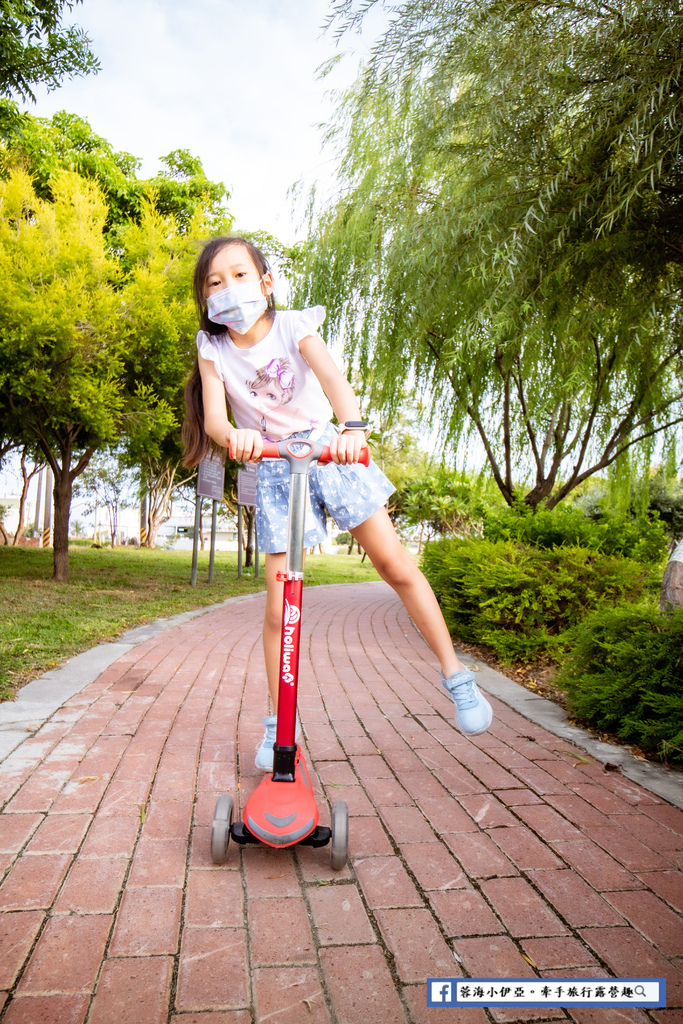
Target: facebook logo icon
point(441, 991)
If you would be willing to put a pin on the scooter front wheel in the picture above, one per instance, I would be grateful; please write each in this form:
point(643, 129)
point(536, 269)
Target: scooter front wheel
point(339, 853)
point(220, 833)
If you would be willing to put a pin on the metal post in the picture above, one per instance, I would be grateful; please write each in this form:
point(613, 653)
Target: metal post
point(47, 510)
point(256, 555)
point(195, 540)
point(143, 518)
point(239, 542)
point(214, 517)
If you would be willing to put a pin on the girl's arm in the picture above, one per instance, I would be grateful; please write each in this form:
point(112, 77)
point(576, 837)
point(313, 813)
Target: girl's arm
point(343, 447)
point(243, 445)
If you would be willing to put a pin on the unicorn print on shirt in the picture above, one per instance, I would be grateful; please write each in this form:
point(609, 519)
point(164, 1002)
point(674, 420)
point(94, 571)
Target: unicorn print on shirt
point(274, 385)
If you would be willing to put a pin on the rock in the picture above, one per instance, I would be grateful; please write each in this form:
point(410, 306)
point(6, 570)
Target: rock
point(671, 596)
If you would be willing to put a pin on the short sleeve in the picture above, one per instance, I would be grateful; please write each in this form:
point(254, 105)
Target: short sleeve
point(207, 348)
point(308, 321)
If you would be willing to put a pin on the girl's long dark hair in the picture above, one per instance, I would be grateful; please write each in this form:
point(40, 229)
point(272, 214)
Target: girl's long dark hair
point(196, 442)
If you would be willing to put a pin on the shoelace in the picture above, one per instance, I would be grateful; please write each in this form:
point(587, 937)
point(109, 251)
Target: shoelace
point(462, 692)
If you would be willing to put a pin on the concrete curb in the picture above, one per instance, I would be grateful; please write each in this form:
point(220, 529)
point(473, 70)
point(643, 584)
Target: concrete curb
point(42, 697)
point(664, 782)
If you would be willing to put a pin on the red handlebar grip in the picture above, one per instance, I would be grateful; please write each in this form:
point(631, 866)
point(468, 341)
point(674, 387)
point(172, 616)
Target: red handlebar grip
point(364, 459)
point(271, 451)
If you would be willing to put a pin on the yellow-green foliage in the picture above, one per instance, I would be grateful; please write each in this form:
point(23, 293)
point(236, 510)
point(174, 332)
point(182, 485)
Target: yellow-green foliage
point(60, 348)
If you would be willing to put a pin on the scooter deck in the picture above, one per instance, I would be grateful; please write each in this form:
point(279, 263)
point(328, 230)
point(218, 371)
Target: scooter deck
point(282, 813)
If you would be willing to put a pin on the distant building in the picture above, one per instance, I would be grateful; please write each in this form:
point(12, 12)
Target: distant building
point(11, 517)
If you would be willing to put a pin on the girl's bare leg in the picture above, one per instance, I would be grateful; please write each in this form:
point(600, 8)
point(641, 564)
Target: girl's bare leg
point(272, 623)
point(391, 560)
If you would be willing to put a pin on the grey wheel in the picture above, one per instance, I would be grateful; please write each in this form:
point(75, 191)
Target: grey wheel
point(339, 853)
point(220, 833)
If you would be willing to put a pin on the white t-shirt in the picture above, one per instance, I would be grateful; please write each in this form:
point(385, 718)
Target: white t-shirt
point(270, 386)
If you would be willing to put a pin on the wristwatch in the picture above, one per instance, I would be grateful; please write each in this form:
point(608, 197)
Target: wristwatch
point(356, 425)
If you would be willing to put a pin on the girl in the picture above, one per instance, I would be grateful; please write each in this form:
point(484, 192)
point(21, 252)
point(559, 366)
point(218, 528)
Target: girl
point(241, 333)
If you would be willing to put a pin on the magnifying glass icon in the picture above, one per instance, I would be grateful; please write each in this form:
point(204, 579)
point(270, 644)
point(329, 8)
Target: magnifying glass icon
point(640, 990)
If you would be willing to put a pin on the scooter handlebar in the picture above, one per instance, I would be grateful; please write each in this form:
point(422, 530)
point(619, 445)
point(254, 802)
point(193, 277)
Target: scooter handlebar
point(271, 451)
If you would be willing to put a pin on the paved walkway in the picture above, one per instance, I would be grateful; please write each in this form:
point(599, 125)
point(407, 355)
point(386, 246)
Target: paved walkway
point(505, 855)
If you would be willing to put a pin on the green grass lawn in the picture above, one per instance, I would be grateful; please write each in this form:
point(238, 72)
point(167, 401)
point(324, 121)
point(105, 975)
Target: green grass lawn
point(43, 623)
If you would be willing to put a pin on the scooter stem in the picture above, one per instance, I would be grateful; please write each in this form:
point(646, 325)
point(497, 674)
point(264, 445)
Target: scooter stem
point(299, 453)
point(284, 750)
point(289, 664)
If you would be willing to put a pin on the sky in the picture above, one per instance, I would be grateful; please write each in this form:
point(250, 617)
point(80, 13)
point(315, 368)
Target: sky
point(237, 84)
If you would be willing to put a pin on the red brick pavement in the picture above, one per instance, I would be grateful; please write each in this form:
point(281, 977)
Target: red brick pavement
point(496, 855)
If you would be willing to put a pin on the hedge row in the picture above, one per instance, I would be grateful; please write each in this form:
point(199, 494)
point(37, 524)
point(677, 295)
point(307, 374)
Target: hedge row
point(643, 539)
point(625, 676)
point(621, 663)
point(522, 600)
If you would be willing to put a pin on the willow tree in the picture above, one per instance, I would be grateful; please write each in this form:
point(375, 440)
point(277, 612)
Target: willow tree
point(508, 233)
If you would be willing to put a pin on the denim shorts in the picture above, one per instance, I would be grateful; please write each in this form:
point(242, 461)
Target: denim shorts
point(350, 494)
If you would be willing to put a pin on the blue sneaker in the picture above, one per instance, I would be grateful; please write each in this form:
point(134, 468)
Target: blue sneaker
point(264, 754)
point(473, 712)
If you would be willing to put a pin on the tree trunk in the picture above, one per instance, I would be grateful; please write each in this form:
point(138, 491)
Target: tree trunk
point(64, 477)
point(161, 483)
point(62, 510)
point(26, 480)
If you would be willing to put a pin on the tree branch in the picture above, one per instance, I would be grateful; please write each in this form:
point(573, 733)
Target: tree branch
point(495, 469)
point(540, 460)
point(82, 462)
point(606, 461)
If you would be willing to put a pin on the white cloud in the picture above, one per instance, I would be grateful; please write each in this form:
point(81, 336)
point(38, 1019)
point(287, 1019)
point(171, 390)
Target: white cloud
point(235, 84)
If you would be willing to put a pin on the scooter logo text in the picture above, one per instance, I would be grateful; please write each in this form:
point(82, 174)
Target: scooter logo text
point(291, 618)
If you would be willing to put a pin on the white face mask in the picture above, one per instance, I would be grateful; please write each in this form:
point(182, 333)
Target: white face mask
point(237, 307)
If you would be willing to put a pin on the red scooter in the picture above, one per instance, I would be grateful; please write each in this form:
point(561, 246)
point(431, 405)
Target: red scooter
point(282, 811)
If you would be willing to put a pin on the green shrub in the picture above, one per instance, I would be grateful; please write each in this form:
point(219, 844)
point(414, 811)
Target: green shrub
point(625, 676)
point(343, 539)
point(520, 600)
point(645, 540)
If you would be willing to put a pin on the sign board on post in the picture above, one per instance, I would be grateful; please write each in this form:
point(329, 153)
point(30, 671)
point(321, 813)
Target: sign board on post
point(211, 477)
point(210, 484)
point(246, 485)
